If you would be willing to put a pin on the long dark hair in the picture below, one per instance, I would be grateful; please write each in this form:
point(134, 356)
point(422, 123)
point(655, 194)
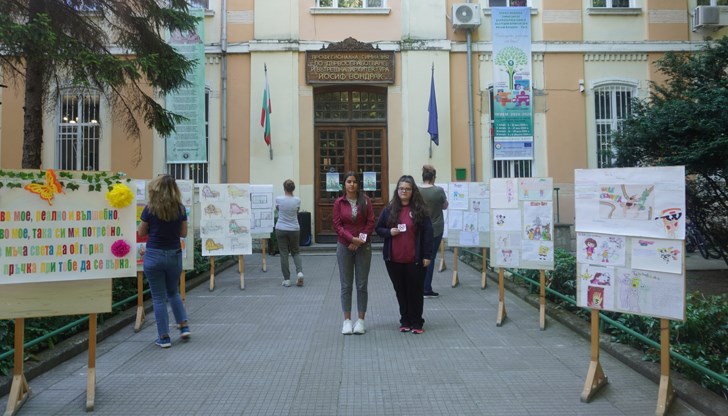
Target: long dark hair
point(361, 200)
point(417, 205)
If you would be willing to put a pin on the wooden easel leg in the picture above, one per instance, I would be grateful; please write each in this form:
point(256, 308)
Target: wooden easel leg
point(501, 297)
point(542, 301)
point(443, 266)
point(212, 273)
point(241, 269)
point(455, 280)
point(265, 264)
point(91, 377)
point(666, 393)
point(595, 378)
point(182, 286)
point(140, 302)
point(483, 280)
point(19, 390)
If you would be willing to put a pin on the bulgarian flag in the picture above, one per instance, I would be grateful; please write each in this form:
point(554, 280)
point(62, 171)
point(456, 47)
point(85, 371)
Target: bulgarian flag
point(266, 110)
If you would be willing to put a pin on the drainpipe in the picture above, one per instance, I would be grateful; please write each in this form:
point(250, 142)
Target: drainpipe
point(471, 124)
point(223, 92)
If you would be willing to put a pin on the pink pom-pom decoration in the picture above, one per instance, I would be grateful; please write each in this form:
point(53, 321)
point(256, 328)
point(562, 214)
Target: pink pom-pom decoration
point(120, 248)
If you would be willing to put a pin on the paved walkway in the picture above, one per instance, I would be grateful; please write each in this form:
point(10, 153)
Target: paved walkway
point(271, 350)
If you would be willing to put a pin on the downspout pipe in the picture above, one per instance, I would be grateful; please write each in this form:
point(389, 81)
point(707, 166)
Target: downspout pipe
point(224, 94)
point(471, 124)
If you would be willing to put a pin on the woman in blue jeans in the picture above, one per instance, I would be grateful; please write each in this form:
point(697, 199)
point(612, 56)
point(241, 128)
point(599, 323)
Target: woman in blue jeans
point(164, 221)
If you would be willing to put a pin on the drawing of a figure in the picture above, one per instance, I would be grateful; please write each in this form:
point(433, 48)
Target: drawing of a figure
point(634, 206)
point(605, 255)
point(670, 220)
point(591, 244)
point(543, 252)
point(629, 292)
point(506, 256)
point(595, 297)
point(601, 279)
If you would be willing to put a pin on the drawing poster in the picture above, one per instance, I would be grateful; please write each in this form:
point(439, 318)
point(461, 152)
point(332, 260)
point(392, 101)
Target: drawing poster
point(596, 286)
point(603, 249)
point(445, 212)
point(521, 223)
point(370, 181)
point(225, 219)
point(657, 255)
point(648, 202)
point(650, 293)
point(467, 219)
point(261, 204)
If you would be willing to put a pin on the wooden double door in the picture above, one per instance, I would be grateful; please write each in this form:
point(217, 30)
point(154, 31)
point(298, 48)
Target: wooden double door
point(341, 149)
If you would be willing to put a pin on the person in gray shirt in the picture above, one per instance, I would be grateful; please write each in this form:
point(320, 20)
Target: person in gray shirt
point(436, 201)
point(288, 232)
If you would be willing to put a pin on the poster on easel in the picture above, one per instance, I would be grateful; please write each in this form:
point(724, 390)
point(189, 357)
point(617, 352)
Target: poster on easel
point(262, 206)
point(467, 223)
point(630, 240)
point(225, 219)
point(59, 226)
point(186, 188)
point(521, 215)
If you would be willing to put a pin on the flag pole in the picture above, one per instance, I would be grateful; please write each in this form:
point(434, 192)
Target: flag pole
point(432, 74)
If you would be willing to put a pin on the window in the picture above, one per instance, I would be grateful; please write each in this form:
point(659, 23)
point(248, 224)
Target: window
point(612, 104)
point(611, 3)
point(509, 3)
point(712, 3)
point(351, 4)
point(79, 132)
point(507, 168)
point(197, 172)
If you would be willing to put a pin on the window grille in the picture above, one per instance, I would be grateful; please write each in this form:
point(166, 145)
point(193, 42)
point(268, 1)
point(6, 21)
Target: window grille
point(351, 4)
point(196, 172)
point(611, 3)
point(78, 132)
point(612, 104)
point(509, 3)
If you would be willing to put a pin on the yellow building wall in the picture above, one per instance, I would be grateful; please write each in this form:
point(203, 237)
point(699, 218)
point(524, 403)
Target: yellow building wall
point(239, 118)
point(562, 20)
point(336, 27)
point(240, 18)
point(123, 147)
point(459, 115)
point(667, 20)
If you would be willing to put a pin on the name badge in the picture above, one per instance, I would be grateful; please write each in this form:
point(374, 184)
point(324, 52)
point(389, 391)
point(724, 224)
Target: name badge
point(402, 227)
point(363, 237)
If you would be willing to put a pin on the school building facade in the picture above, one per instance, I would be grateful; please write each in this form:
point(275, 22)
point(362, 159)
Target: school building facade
point(350, 83)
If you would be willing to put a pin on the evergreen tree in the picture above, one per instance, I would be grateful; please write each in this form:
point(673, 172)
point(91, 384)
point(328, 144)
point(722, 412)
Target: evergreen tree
point(684, 122)
point(116, 47)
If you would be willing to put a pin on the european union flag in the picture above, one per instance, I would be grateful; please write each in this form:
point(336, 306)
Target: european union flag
point(432, 109)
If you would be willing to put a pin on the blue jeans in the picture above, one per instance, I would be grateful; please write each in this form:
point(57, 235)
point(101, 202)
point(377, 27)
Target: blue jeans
point(351, 263)
point(162, 269)
point(431, 268)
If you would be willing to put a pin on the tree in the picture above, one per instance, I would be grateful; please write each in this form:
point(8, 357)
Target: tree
point(48, 43)
point(512, 59)
point(684, 122)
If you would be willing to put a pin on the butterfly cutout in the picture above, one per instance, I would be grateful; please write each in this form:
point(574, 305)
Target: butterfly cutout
point(48, 189)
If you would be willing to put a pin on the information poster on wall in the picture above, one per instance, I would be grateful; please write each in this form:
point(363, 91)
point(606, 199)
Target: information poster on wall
point(467, 222)
point(521, 212)
point(261, 204)
point(630, 240)
point(225, 220)
point(61, 226)
point(186, 188)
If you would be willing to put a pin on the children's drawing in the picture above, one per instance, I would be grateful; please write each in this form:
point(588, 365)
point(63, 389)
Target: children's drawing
point(211, 245)
point(530, 189)
point(506, 258)
point(236, 192)
point(537, 220)
point(651, 293)
point(208, 193)
point(455, 220)
point(470, 222)
point(370, 181)
point(537, 251)
point(458, 196)
point(484, 222)
point(626, 201)
point(503, 193)
point(657, 255)
point(629, 290)
point(332, 182)
point(670, 218)
point(601, 249)
point(469, 239)
point(236, 228)
point(506, 219)
point(237, 210)
point(212, 210)
point(596, 279)
point(478, 190)
point(261, 201)
point(211, 227)
point(595, 297)
point(478, 205)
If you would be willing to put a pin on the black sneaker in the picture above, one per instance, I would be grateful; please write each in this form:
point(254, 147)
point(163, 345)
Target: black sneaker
point(429, 295)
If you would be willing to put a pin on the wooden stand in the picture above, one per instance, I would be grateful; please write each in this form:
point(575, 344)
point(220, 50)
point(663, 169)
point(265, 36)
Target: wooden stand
point(542, 301)
point(265, 264)
point(595, 378)
point(443, 266)
point(19, 390)
point(455, 280)
point(212, 273)
point(91, 375)
point(140, 302)
point(241, 269)
point(501, 297)
point(665, 393)
point(182, 286)
point(483, 280)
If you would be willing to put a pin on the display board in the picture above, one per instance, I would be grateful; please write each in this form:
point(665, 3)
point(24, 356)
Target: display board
point(521, 212)
point(60, 226)
point(630, 240)
point(262, 206)
point(467, 222)
point(225, 219)
point(186, 188)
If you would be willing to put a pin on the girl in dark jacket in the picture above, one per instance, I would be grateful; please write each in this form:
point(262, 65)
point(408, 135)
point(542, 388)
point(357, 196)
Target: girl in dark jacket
point(407, 231)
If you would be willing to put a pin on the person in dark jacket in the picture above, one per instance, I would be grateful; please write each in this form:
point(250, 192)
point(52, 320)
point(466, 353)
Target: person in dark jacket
point(406, 228)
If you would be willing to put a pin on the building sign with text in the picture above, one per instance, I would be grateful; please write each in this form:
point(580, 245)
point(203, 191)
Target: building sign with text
point(350, 62)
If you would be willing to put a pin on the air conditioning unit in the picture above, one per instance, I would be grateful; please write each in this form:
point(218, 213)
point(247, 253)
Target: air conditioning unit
point(710, 17)
point(465, 16)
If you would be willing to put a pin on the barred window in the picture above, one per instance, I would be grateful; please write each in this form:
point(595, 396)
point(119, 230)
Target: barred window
point(612, 104)
point(196, 172)
point(509, 3)
point(612, 3)
point(78, 130)
point(351, 4)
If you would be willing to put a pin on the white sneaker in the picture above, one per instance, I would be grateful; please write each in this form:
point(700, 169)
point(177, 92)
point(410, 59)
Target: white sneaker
point(359, 328)
point(299, 281)
point(286, 283)
point(300, 275)
point(347, 329)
